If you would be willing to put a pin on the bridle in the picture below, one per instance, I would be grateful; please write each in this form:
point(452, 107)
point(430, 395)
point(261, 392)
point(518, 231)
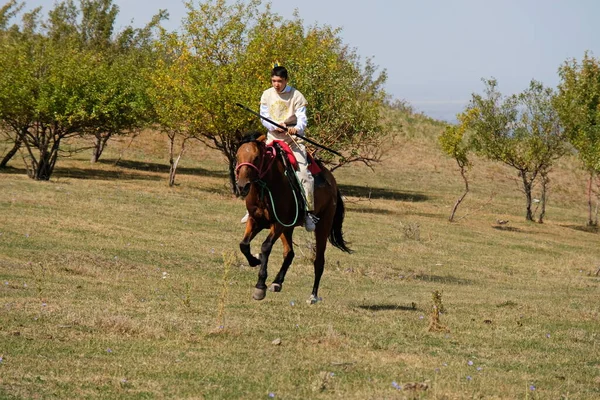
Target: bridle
point(269, 152)
point(263, 168)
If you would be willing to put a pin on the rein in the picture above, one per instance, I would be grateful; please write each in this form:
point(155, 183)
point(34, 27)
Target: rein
point(270, 152)
point(264, 186)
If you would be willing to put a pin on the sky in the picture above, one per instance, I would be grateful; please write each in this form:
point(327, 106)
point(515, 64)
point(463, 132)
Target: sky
point(435, 52)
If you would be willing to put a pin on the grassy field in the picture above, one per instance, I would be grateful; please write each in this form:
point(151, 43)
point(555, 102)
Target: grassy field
point(114, 285)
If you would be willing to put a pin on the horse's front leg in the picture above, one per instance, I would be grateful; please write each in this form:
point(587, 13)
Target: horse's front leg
point(288, 256)
point(252, 230)
point(261, 286)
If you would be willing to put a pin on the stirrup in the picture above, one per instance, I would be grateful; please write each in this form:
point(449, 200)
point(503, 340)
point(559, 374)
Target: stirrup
point(310, 222)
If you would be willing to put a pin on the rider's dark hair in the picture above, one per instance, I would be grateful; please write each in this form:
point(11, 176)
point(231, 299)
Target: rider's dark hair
point(280, 72)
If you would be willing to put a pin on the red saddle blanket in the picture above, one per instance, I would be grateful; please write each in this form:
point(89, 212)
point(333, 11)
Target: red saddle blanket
point(313, 167)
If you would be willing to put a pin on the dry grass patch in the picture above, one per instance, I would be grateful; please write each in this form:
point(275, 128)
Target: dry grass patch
point(117, 286)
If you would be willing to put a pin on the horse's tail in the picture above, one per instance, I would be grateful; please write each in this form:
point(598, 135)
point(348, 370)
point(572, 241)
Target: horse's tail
point(336, 236)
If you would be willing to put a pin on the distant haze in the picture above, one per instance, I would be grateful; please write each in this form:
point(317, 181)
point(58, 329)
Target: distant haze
point(444, 111)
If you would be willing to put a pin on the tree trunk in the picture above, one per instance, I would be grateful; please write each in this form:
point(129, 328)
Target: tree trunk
point(174, 162)
point(99, 146)
point(545, 181)
point(590, 221)
point(11, 152)
point(527, 188)
point(462, 173)
point(232, 177)
point(43, 167)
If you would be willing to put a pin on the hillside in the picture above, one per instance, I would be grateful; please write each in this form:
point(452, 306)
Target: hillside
point(116, 286)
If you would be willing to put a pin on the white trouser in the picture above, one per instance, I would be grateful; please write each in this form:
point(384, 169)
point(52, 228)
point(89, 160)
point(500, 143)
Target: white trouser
point(304, 176)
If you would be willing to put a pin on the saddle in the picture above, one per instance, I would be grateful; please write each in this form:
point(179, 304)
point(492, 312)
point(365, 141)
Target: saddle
point(313, 167)
point(290, 163)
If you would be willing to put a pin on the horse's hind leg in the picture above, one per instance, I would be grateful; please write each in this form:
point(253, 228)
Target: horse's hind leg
point(251, 231)
point(321, 234)
point(288, 256)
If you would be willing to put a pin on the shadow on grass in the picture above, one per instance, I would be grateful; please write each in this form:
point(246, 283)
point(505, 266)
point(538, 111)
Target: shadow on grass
point(164, 168)
point(506, 228)
point(380, 193)
point(367, 210)
point(583, 228)
point(85, 173)
point(451, 280)
point(13, 171)
point(81, 173)
point(129, 170)
point(387, 307)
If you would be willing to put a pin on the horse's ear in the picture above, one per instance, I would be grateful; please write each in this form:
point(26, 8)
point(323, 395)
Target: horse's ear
point(238, 135)
point(262, 138)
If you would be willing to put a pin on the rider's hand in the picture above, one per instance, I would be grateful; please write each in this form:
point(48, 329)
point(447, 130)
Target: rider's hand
point(292, 130)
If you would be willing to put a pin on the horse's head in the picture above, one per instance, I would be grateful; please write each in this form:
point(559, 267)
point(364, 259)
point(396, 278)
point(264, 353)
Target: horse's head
point(250, 156)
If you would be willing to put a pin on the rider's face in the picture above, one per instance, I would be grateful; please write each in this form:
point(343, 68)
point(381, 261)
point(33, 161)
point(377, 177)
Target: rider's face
point(278, 83)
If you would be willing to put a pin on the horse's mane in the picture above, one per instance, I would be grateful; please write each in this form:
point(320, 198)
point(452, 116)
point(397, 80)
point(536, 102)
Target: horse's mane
point(251, 137)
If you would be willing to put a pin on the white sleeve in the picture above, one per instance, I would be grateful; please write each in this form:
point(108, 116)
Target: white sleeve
point(302, 120)
point(264, 111)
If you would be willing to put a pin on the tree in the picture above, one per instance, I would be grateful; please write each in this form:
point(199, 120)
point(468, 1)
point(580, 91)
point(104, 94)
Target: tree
point(126, 55)
point(521, 131)
point(58, 80)
point(225, 52)
point(44, 95)
point(454, 143)
point(346, 116)
point(68, 86)
point(173, 97)
point(578, 105)
point(199, 79)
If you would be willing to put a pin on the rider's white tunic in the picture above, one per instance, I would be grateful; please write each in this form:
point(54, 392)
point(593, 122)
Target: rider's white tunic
point(279, 106)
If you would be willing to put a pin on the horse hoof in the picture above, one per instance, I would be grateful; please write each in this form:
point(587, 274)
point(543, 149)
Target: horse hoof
point(313, 299)
point(259, 294)
point(254, 263)
point(275, 287)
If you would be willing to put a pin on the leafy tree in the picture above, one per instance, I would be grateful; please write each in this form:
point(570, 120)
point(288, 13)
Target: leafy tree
point(42, 96)
point(67, 87)
point(454, 143)
point(578, 105)
point(127, 55)
point(65, 77)
point(173, 97)
point(201, 77)
point(521, 131)
point(225, 52)
point(346, 116)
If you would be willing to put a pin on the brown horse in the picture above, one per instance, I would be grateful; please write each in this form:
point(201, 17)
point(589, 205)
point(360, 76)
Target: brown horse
point(273, 204)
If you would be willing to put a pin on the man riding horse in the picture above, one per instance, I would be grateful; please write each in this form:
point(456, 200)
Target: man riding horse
point(286, 106)
point(272, 199)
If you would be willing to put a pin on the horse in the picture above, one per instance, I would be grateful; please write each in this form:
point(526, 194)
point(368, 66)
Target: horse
point(273, 204)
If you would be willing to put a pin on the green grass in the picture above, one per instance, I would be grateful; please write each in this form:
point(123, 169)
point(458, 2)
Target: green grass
point(115, 286)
